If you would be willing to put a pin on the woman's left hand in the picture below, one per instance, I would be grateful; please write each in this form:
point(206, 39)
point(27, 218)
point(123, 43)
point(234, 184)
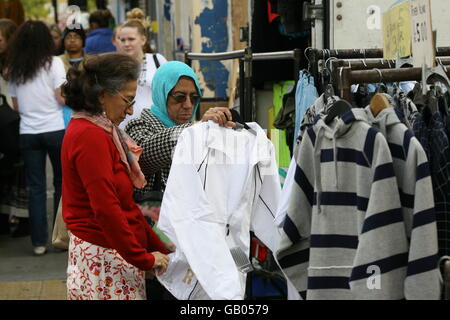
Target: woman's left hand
point(220, 115)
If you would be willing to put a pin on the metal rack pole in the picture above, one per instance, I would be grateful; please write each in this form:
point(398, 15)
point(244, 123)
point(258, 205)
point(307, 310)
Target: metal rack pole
point(347, 77)
point(247, 107)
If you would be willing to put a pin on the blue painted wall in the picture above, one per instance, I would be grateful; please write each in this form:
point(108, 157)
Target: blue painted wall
point(213, 25)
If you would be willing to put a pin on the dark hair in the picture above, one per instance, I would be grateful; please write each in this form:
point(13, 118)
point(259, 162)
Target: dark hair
point(108, 72)
point(103, 18)
point(30, 49)
point(139, 26)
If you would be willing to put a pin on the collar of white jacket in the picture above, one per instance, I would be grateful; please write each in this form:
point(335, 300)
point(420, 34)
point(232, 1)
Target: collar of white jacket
point(234, 143)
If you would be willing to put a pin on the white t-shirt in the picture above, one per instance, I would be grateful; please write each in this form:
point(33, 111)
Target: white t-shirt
point(144, 89)
point(39, 110)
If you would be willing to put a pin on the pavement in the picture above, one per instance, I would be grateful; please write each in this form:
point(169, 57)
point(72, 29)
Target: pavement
point(24, 276)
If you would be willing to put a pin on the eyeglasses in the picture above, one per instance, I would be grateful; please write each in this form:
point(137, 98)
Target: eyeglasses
point(181, 98)
point(128, 102)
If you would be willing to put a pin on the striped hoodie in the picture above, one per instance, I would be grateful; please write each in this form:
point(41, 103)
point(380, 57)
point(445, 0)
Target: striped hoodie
point(411, 168)
point(344, 236)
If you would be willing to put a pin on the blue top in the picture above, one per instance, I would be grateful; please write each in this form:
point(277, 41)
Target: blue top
point(164, 80)
point(99, 41)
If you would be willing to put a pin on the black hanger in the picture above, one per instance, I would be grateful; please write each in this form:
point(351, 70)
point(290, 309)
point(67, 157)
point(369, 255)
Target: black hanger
point(432, 100)
point(328, 93)
point(236, 117)
point(337, 109)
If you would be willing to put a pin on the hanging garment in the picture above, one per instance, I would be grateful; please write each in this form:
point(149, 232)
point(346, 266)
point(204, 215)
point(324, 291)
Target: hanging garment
point(411, 168)
point(405, 104)
point(345, 221)
point(222, 184)
point(430, 131)
point(320, 107)
point(305, 96)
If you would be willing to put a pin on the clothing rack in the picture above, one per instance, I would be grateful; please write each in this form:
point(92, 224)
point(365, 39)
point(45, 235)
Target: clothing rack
point(346, 77)
point(367, 64)
point(314, 56)
point(246, 57)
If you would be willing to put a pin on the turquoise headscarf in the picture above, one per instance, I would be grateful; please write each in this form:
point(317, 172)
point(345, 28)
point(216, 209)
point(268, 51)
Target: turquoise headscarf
point(164, 80)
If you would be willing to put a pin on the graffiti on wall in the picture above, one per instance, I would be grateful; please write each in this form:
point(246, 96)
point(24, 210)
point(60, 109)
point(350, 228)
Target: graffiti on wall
point(214, 33)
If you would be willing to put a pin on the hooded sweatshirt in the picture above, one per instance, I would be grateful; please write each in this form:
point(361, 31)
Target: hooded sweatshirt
point(412, 170)
point(344, 236)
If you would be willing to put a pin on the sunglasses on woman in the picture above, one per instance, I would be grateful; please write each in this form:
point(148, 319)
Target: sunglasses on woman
point(181, 98)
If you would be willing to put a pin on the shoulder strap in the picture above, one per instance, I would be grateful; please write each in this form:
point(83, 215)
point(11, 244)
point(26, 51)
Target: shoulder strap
point(155, 58)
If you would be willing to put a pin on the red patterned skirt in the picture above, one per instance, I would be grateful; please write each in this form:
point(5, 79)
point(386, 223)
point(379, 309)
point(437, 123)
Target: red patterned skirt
point(97, 273)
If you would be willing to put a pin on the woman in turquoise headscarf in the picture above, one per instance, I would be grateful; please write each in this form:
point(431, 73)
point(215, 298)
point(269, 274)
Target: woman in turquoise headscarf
point(176, 95)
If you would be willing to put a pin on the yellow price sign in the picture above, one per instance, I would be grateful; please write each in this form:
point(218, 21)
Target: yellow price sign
point(397, 32)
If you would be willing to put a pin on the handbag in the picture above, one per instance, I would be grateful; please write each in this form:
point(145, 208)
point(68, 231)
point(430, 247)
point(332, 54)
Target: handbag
point(60, 236)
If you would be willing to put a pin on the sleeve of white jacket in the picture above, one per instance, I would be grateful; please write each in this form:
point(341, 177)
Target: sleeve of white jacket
point(199, 233)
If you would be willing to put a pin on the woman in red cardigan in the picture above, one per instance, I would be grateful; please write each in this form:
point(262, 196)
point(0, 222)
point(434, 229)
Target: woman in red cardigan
point(111, 243)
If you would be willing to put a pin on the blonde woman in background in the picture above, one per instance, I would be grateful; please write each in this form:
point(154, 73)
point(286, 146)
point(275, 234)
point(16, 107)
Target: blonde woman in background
point(133, 42)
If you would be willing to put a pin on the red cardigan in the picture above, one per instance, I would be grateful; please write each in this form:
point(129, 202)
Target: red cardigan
point(97, 196)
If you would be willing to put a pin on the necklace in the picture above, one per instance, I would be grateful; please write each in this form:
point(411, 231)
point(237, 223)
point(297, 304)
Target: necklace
point(142, 81)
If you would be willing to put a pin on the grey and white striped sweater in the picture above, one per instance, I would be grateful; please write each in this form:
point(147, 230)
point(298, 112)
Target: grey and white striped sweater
point(344, 220)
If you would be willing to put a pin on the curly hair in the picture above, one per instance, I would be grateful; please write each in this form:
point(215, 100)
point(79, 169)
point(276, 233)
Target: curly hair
point(108, 72)
point(30, 49)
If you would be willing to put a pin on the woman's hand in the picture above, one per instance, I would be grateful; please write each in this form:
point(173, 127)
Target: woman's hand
point(219, 115)
point(171, 247)
point(161, 263)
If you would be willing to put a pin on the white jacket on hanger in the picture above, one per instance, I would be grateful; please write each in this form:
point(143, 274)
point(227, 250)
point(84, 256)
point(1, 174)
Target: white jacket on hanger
point(222, 184)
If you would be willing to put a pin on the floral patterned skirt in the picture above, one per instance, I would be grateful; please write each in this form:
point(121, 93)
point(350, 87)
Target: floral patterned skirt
point(97, 273)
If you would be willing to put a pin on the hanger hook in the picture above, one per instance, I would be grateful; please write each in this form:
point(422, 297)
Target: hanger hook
point(380, 73)
point(305, 53)
point(364, 62)
point(326, 62)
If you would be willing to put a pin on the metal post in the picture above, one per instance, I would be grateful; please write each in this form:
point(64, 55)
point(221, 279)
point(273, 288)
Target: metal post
point(297, 59)
point(55, 8)
point(186, 58)
point(247, 112)
point(242, 92)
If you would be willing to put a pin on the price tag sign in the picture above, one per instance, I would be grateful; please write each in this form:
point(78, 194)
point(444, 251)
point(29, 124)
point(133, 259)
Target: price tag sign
point(397, 32)
point(423, 46)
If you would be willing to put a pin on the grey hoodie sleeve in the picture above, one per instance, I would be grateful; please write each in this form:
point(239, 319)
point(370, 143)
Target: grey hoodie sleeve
point(423, 277)
point(379, 266)
point(293, 249)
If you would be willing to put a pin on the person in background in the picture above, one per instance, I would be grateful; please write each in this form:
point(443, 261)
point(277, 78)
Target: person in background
point(34, 78)
point(100, 36)
point(7, 29)
point(116, 38)
point(73, 43)
point(111, 244)
point(8, 160)
point(134, 43)
point(56, 33)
